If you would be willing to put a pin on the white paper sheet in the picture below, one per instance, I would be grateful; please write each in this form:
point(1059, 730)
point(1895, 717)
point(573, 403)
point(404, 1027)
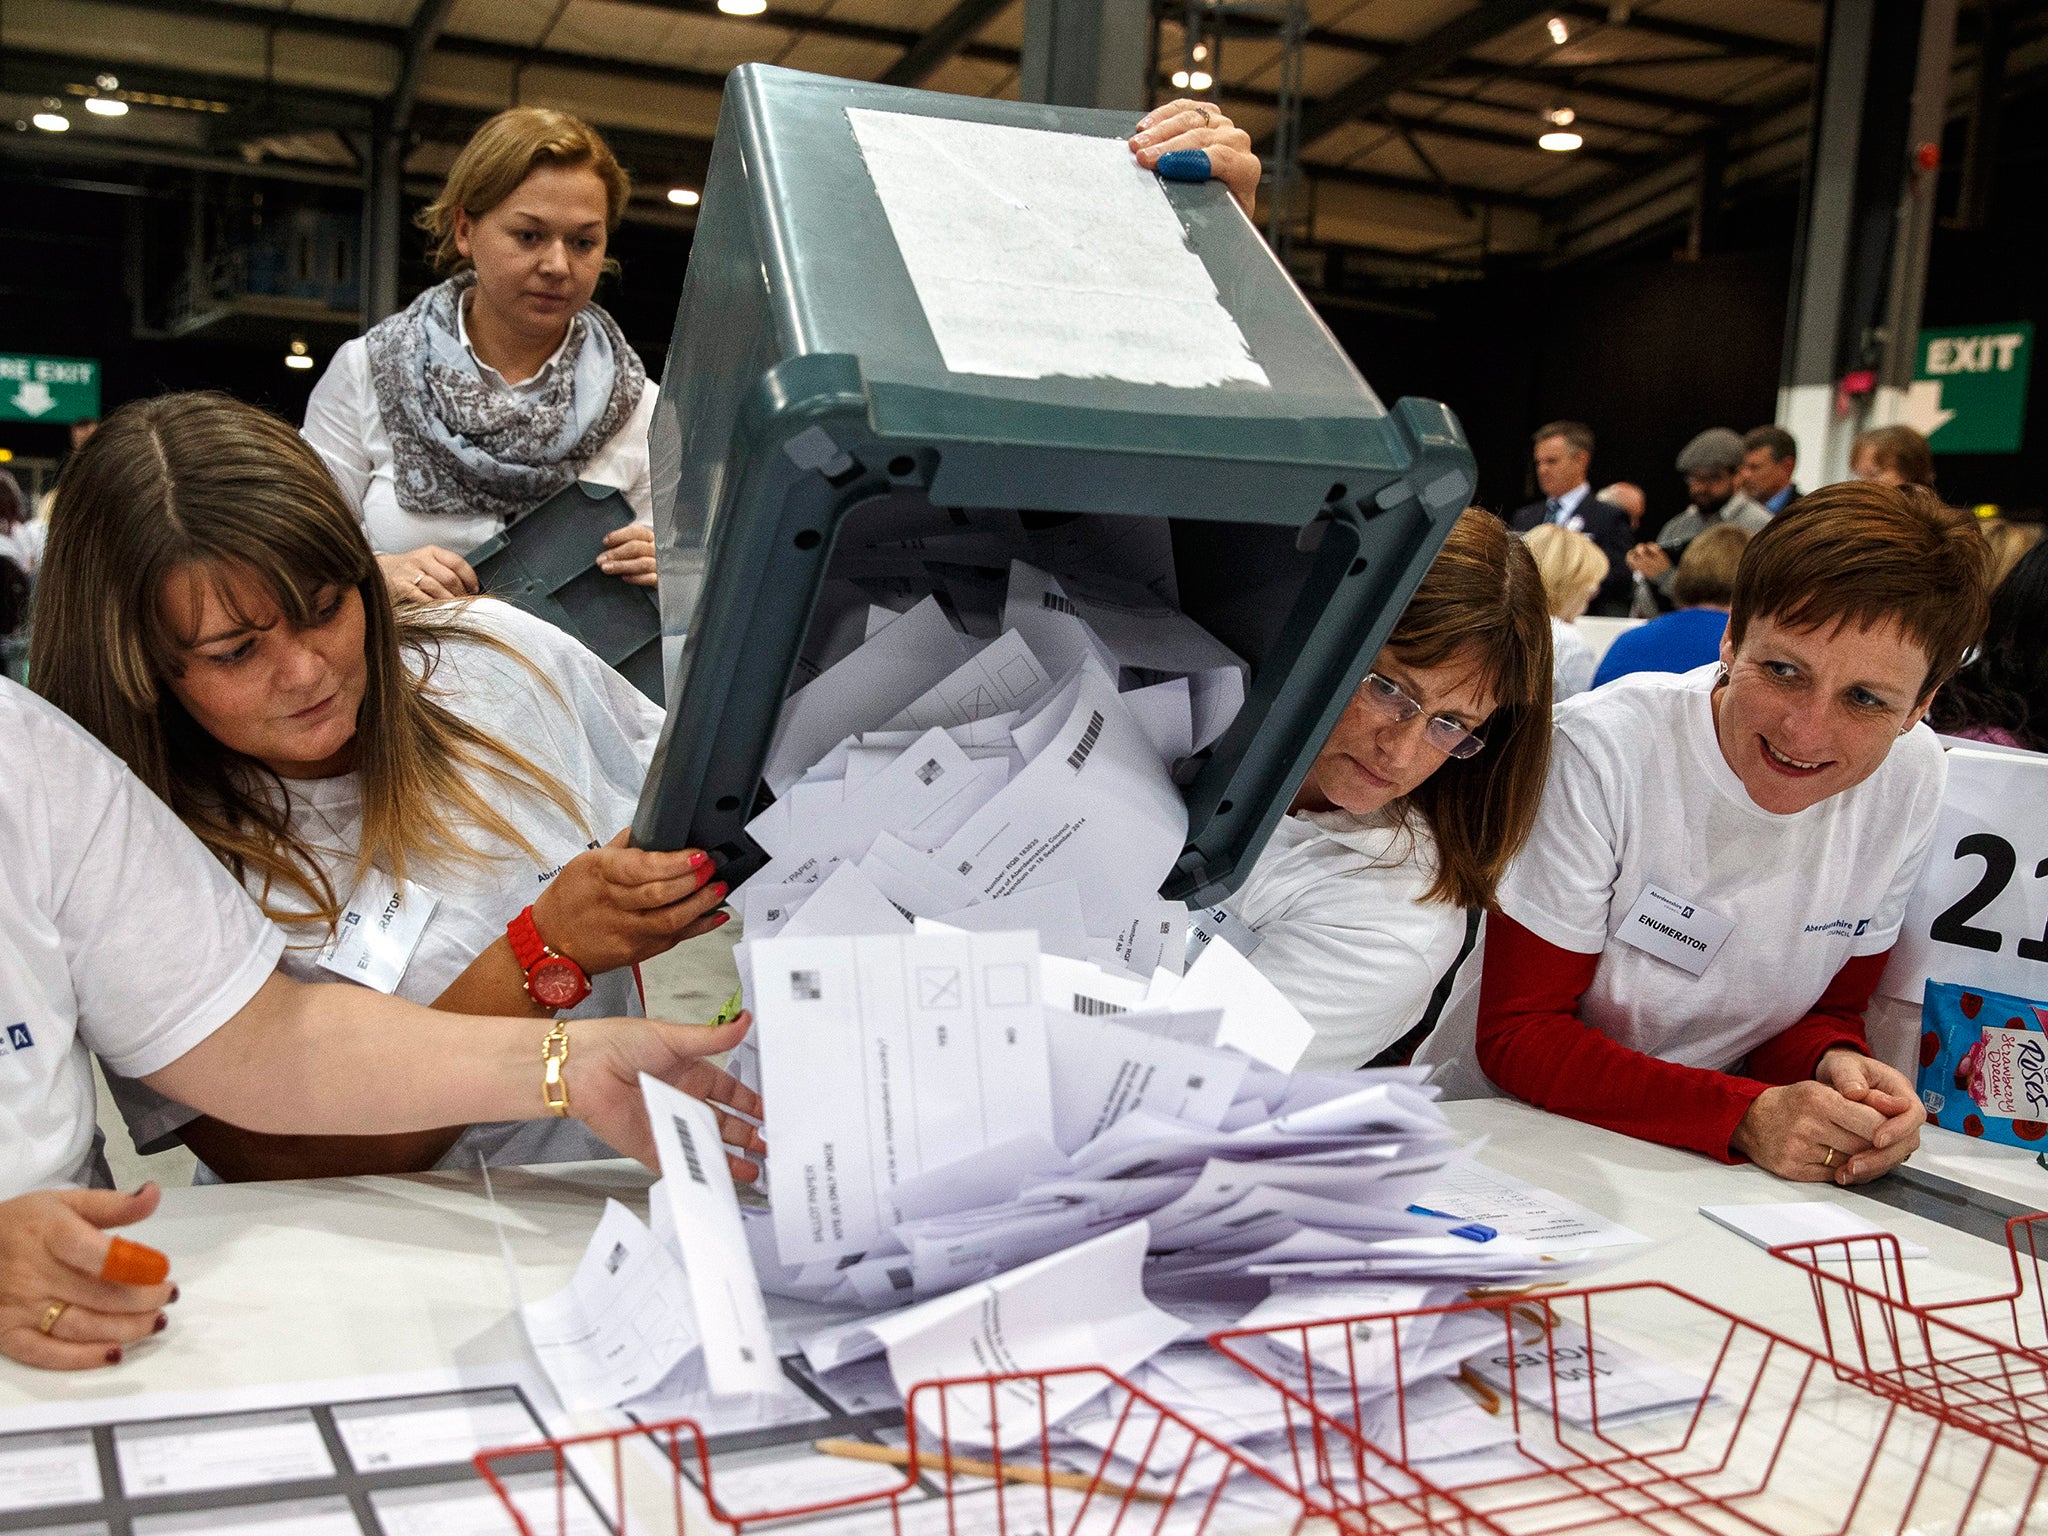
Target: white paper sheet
point(1474, 1192)
point(47, 1470)
point(1083, 1306)
point(1773, 1224)
point(724, 1293)
point(1585, 1380)
point(886, 673)
point(1102, 1071)
point(620, 1324)
point(447, 1428)
point(1001, 678)
point(844, 902)
point(1038, 254)
point(229, 1451)
point(882, 1058)
point(1094, 806)
point(1257, 1017)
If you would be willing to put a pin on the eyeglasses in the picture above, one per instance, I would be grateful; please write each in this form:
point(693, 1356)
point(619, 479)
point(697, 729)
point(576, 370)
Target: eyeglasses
point(1448, 736)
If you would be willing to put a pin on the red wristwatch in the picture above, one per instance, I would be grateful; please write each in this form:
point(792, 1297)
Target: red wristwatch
point(552, 980)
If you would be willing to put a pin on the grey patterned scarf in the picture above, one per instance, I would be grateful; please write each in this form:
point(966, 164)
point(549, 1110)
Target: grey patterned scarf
point(461, 447)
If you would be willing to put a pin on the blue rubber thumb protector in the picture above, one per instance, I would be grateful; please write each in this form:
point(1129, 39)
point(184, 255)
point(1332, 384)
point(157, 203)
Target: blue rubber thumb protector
point(1185, 165)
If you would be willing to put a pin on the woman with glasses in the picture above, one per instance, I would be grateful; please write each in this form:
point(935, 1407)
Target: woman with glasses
point(1723, 857)
point(1415, 804)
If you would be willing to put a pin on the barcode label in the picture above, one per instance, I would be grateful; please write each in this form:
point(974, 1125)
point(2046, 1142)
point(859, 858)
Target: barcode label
point(689, 1151)
point(1058, 604)
point(1080, 753)
point(1095, 1006)
point(806, 986)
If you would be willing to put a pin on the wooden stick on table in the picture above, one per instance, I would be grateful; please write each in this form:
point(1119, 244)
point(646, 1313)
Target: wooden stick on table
point(1009, 1471)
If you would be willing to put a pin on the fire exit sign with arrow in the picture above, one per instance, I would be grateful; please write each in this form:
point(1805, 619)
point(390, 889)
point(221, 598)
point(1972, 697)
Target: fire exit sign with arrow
point(48, 389)
point(1969, 392)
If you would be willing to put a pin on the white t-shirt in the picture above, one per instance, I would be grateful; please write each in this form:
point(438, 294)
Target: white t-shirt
point(343, 422)
point(1639, 795)
point(1344, 932)
point(119, 936)
point(1571, 661)
point(596, 738)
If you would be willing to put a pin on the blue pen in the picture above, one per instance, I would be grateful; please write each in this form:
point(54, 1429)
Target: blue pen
point(1471, 1231)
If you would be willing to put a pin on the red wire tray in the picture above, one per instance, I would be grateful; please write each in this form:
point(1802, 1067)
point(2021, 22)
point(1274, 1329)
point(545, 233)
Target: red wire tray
point(1145, 1471)
point(1768, 1436)
point(1980, 1362)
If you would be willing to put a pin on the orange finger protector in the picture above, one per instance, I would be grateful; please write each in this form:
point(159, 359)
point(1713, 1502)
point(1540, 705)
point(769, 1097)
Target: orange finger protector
point(134, 1264)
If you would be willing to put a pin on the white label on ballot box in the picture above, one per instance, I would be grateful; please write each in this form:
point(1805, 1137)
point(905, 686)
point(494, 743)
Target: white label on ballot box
point(375, 939)
point(1675, 929)
point(1979, 914)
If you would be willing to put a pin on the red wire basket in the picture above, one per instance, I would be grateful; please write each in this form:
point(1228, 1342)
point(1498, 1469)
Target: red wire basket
point(1981, 1362)
point(1617, 1409)
point(994, 1456)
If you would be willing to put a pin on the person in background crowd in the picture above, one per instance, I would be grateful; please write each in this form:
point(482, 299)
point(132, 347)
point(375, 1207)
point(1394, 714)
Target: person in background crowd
point(1892, 456)
point(1769, 457)
point(1628, 496)
point(1723, 858)
point(2001, 695)
point(21, 536)
point(1709, 463)
point(213, 614)
point(1572, 567)
point(1564, 450)
point(497, 387)
point(1413, 806)
point(2009, 543)
point(121, 937)
point(1691, 637)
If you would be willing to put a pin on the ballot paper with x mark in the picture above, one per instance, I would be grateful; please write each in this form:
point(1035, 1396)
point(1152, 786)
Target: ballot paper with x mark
point(883, 1058)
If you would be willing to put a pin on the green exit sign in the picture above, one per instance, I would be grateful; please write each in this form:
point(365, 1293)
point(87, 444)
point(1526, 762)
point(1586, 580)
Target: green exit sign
point(1969, 392)
point(52, 389)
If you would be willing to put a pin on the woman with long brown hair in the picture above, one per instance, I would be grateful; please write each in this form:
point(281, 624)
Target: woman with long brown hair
point(1422, 794)
point(212, 613)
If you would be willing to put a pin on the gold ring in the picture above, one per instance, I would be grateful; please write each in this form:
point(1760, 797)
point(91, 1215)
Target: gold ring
point(1829, 1160)
point(51, 1313)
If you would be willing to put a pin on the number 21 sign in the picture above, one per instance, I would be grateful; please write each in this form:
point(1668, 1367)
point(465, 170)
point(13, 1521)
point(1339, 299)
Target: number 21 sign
point(1979, 915)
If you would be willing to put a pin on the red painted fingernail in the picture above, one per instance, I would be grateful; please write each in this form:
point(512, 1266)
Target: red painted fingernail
point(699, 858)
point(162, 1323)
point(721, 920)
point(718, 891)
point(174, 1293)
point(114, 1355)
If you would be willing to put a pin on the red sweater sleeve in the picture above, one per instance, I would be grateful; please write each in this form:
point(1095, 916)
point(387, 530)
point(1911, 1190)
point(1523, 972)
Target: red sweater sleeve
point(1533, 1043)
point(1837, 1019)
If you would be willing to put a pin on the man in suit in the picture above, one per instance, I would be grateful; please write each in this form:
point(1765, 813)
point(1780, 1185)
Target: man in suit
point(1769, 457)
point(1564, 451)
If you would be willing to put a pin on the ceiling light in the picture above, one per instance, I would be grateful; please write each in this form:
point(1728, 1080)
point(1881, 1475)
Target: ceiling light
point(297, 360)
point(743, 7)
point(1560, 34)
point(1560, 117)
point(1180, 79)
point(1200, 80)
point(684, 197)
point(1560, 141)
point(106, 82)
point(51, 122)
point(106, 106)
point(1200, 52)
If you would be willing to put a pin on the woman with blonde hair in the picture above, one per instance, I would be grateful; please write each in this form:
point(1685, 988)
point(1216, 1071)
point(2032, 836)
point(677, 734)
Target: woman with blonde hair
point(1572, 567)
point(499, 386)
point(212, 613)
point(1365, 899)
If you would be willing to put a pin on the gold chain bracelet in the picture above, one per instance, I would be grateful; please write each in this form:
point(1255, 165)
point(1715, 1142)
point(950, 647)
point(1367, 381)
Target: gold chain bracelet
point(554, 1055)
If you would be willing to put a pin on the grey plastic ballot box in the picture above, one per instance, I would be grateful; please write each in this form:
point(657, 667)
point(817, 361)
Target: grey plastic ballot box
point(806, 400)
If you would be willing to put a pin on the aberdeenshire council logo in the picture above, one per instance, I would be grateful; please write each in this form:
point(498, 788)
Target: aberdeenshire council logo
point(18, 1039)
point(1841, 927)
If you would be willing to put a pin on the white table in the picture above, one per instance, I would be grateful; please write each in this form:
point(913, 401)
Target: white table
point(308, 1282)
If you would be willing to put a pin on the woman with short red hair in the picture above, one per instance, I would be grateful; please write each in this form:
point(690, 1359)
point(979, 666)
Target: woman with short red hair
point(1722, 858)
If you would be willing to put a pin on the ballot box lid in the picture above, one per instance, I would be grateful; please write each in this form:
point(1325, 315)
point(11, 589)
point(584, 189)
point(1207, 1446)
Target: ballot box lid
point(818, 368)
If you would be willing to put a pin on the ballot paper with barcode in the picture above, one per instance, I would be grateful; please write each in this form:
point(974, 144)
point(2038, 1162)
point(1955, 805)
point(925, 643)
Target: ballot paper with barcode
point(884, 1058)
